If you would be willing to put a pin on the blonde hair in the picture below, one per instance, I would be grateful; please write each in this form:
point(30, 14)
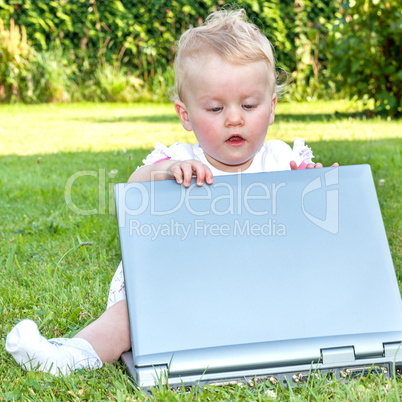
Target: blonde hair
point(229, 35)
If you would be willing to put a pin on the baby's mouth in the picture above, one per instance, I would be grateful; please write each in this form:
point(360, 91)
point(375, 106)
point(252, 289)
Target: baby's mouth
point(235, 140)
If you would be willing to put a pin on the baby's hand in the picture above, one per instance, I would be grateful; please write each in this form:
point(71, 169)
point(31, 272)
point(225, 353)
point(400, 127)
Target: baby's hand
point(293, 165)
point(183, 171)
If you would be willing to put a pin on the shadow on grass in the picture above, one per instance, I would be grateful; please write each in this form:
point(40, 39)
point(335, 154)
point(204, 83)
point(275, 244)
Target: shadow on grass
point(161, 118)
point(33, 194)
point(20, 175)
point(172, 118)
point(326, 117)
point(319, 117)
point(380, 153)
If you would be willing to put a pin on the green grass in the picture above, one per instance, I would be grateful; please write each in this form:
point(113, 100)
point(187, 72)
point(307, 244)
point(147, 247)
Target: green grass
point(48, 277)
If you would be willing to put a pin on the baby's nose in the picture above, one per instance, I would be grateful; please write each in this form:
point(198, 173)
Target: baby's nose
point(234, 117)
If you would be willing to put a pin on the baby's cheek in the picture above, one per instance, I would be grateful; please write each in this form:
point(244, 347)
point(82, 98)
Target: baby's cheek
point(206, 133)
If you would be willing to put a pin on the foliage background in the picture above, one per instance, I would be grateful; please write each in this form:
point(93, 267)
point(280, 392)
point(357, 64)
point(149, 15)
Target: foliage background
point(123, 50)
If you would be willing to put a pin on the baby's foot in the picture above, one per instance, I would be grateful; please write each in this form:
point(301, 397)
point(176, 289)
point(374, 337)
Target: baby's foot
point(57, 356)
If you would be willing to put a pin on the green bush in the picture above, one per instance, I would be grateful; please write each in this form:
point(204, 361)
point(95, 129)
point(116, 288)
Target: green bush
point(137, 34)
point(27, 75)
point(140, 36)
point(15, 58)
point(113, 83)
point(366, 46)
point(307, 26)
point(51, 78)
point(114, 50)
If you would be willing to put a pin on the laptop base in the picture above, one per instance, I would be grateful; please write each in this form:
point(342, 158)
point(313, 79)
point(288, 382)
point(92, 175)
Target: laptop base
point(292, 376)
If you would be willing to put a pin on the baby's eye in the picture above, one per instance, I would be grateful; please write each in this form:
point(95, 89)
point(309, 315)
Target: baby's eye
point(215, 109)
point(248, 107)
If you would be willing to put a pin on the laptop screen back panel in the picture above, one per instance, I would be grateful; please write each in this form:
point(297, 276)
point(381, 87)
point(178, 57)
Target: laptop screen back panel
point(260, 259)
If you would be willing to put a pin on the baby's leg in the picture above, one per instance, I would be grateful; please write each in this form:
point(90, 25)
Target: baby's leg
point(102, 341)
point(109, 335)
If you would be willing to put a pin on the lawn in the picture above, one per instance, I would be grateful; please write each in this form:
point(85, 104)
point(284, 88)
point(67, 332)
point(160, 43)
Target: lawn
point(56, 265)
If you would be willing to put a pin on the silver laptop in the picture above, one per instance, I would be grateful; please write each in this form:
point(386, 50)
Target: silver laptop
point(267, 276)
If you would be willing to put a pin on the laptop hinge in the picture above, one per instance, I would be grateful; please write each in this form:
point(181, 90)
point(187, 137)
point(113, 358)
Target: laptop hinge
point(152, 375)
point(393, 350)
point(338, 355)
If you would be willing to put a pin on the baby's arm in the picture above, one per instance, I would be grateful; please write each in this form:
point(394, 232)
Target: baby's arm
point(181, 171)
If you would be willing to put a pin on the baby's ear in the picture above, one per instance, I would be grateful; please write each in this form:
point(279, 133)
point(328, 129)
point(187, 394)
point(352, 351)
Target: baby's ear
point(181, 111)
point(274, 101)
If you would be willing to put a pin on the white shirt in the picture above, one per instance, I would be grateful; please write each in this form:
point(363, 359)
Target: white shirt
point(274, 155)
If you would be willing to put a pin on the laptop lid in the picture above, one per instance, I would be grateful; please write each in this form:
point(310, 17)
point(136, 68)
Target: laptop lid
point(257, 270)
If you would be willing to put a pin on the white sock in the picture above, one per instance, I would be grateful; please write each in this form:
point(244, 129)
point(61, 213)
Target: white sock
point(56, 356)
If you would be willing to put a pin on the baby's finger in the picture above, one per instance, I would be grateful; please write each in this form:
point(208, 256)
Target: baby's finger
point(199, 171)
point(187, 170)
point(293, 165)
point(209, 177)
point(310, 166)
point(203, 173)
point(318, 165)
point(177, 174)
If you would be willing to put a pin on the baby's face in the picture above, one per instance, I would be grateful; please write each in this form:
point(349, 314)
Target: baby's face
point(229, 107)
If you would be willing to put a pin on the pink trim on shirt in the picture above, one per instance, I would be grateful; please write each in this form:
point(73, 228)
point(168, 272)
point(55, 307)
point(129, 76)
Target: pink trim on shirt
point(302, 165)
point(163, 159)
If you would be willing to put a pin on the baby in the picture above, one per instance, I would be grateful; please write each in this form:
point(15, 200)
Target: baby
point(227, 93)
